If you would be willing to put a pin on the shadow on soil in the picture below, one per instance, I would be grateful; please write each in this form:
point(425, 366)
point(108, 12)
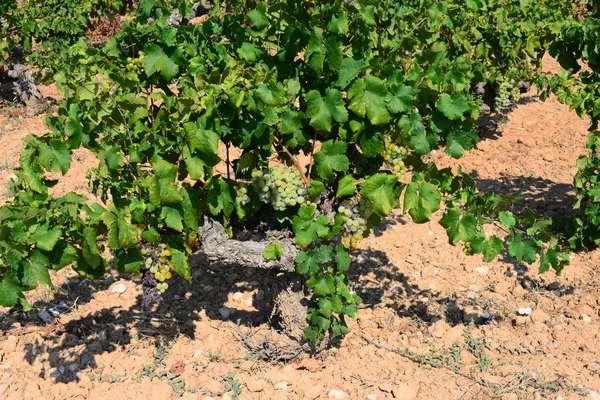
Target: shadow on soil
point(379, 281)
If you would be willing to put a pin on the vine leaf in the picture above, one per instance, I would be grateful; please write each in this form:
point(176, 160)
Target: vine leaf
point(453, 107)
point(46, 238)
point(161, 185)
point(346, 186)
point(380, 190)
point(322, 111)
point(421, 200)
point(368, 97)
point(258, 17)
point(322, 285)
point(36, 272)
point(307, 228)
point(272, 251)
point(331, 157)
point(11, 292)
point(507, 219)
point(523, 249)
point(249, 52)
point(179, 262)
point(156, 60)
point(172, 218)
point(349, 70)
point(459, 229)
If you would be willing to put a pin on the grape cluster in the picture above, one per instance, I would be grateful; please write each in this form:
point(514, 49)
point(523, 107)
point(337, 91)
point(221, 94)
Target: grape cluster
point(241, 195)
point(394, 155)
point(281, 187)
point(156, 270)
point(354, 223)
point(508, 90)
point(135, 64)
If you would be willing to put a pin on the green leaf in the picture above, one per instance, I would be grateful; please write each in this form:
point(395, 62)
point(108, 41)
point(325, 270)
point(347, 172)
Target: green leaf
point(368, 97)
point(128, 260)
point(338, 24)
point(35, 273)
point(523, 249)
point(258, 17)
point(311, 260)
point(156, 60)
point(346, 186)
point(45, 238)
point(249, 52)
point(321, 285)
point(205, 141)
point(220, 195)
point(11, 292)
point(507, 219)
point(172, 218)
point(315, 51)
point(349, 70)
point(322, 111)
point(179, 262)
point(421, 200)
point(400, 99)
point(457, 143)
point(380, 190)
point(272, 251)
point(331, 157)
point(150, 235)
point(308, 229)
point(161, 186)
point(453, 107)
point(459, 229)
point(342, 259)
point(55, 156)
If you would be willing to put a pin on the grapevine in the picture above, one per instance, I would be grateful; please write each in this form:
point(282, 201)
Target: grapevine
point(332, 110)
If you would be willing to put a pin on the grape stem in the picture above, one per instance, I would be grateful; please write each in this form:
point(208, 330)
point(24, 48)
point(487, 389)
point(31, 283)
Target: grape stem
point(295, 161)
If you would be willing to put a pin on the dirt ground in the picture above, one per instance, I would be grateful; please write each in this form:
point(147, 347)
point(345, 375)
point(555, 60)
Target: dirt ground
point(435, 323)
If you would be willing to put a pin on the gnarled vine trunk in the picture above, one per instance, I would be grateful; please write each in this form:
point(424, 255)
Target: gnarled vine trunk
point(290, 300)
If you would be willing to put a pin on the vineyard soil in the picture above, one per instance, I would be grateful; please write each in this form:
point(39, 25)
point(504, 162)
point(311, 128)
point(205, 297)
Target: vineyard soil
point(420, 294)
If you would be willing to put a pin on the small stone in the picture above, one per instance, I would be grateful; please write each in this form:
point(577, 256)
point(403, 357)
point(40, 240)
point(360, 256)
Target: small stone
point(281, 385)
point(372, 396)
point(226, 397)
point(524, 311)
point(475, 288)
point(45, 316)
point(197, 353)
point(238, 297)
point(482, 269)
point(74, 367)
point(510, 396)
point(3, 388)
point(120, 288)
point(55, 374)
point(225, 312)
point(336, 394)
point(592, 395)
point(586, 318)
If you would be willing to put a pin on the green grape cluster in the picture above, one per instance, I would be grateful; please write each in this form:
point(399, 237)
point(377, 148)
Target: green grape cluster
point(354, 223)
point(241, 195)
point(394, 155)
point(158, 264)
point(135, 64)
point(281, 187)
point(508, 91)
